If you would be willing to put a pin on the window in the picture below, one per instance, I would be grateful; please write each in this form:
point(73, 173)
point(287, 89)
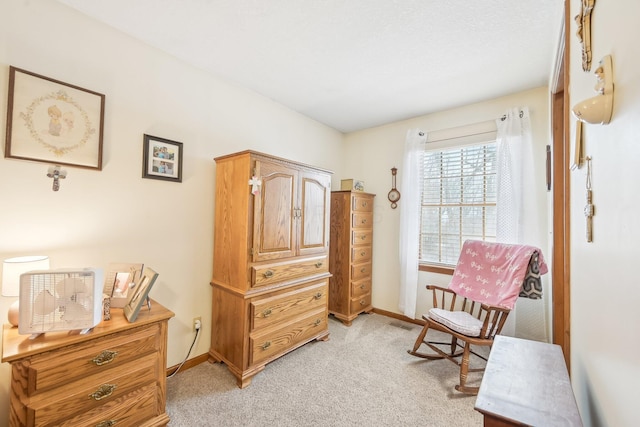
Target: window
point(458, 200)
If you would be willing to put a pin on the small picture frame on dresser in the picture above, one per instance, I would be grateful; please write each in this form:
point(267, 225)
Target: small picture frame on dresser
point(139, 293)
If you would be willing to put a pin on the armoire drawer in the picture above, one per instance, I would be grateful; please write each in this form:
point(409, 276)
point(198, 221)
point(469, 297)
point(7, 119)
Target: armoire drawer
point(82, 360)
point(272, 342)
point(270, 310)
point(360, 271)
point(360, 254)
point(360, 303)
point(361, 237)
point(360, 287)
point(362, 220)
point(86, 394)
point(269, 274)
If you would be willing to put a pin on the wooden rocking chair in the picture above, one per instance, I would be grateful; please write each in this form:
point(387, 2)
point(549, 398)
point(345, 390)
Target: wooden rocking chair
point(487, 280)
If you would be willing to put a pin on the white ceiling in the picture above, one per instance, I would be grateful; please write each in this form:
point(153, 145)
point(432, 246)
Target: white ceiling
point(353, 64)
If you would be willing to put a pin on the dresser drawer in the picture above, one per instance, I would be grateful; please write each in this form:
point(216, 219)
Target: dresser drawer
point(273, 342)
point(361, 303)
point(129, 410)
point(269, 274)
point(360, 271)
point(360, 254)
point(362, 204)
point(82, 360)
point(273, 309)
point(360, 287)
point(361, 237)
point(87, 394)
point(362, 220)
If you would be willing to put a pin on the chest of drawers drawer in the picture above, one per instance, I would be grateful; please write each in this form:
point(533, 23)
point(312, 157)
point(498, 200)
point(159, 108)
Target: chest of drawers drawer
point(360, 303)
point(362, 220)
point(86, 394)
point(271, 274)
point(79, 361)
point(361, 287)
point(360, 271)
point(361, 237)
point(361, 254)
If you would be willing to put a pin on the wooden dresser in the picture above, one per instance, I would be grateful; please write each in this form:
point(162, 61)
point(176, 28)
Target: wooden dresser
point(270, 262)
point(113, 375)
point(350, 254)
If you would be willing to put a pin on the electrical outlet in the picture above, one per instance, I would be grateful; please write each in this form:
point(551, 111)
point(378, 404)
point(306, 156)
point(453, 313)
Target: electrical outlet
point(197, 323)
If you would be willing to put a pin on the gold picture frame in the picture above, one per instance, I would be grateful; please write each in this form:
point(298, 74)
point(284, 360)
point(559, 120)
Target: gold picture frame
point(53, 122)
point(139, 294)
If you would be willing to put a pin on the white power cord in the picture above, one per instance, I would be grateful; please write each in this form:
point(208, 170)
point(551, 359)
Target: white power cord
point(198, 326)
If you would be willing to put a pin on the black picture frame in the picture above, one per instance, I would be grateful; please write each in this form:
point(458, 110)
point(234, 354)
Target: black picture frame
point(162, 159)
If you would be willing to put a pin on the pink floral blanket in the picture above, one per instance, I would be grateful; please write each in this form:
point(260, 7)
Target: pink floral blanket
point(493, 273)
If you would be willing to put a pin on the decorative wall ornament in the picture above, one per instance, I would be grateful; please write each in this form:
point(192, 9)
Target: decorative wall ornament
point(598, 109)
point(53, 122)
point(583, 19)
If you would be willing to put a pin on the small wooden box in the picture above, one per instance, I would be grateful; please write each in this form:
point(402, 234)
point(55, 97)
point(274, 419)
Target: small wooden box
point(352, 184)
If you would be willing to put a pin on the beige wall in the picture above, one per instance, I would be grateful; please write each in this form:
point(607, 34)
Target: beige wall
point(114, 215)
point(371, 153)
point(605, 320)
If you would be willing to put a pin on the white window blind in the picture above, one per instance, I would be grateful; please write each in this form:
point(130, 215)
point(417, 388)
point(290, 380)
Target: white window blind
point(458, 200)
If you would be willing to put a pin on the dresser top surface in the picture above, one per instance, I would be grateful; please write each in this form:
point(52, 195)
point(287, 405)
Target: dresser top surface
point(16, 346)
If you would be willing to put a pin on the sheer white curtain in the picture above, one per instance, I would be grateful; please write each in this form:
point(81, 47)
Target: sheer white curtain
point(516, 190)
point(513, 139)
point(410, 187)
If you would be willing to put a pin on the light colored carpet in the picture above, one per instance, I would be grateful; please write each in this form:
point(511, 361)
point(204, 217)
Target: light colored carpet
point(361, 376)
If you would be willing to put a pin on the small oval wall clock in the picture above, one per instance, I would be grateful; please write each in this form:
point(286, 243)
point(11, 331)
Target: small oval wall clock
point(394, 194)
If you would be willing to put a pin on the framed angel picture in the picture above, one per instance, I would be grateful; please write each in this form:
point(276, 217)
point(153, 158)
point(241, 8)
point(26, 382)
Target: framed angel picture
point(53, 122)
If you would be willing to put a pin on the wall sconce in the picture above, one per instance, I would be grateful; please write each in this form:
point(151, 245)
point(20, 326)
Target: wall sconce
point(598, 109)
point(57, 174)
point(12, 268)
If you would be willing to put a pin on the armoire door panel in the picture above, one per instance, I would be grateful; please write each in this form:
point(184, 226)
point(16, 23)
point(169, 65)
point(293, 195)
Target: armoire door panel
point(274, 230)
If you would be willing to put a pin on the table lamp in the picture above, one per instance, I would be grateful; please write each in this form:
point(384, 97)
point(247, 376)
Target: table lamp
point(12, 268)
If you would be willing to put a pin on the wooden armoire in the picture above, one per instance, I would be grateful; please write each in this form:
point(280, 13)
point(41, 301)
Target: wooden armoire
point(270, 262)
point(351, 240)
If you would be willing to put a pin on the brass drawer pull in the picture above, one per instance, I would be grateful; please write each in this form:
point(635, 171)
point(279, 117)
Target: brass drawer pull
point(363, 302)
point(105, 390)
point(267, 274)
point(363, 221)
point(364, 204)
point(362, 286)
point(318, 295)
point(107, 423)
point(363, 253)
point(266, 345)
point(105, 357)
point(363, 237)
point(318, 264)
point(266, 313)
point(317, 322)
point(362, 270)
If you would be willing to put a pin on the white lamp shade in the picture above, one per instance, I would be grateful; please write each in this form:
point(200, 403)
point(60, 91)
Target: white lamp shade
point(12, 268)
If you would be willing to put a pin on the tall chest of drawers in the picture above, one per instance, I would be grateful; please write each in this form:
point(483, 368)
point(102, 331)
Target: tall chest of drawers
point(350, 255)
point(113, 375)
point(270, 262)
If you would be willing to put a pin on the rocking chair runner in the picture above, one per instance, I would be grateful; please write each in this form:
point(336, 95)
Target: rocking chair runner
point(486, 282)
